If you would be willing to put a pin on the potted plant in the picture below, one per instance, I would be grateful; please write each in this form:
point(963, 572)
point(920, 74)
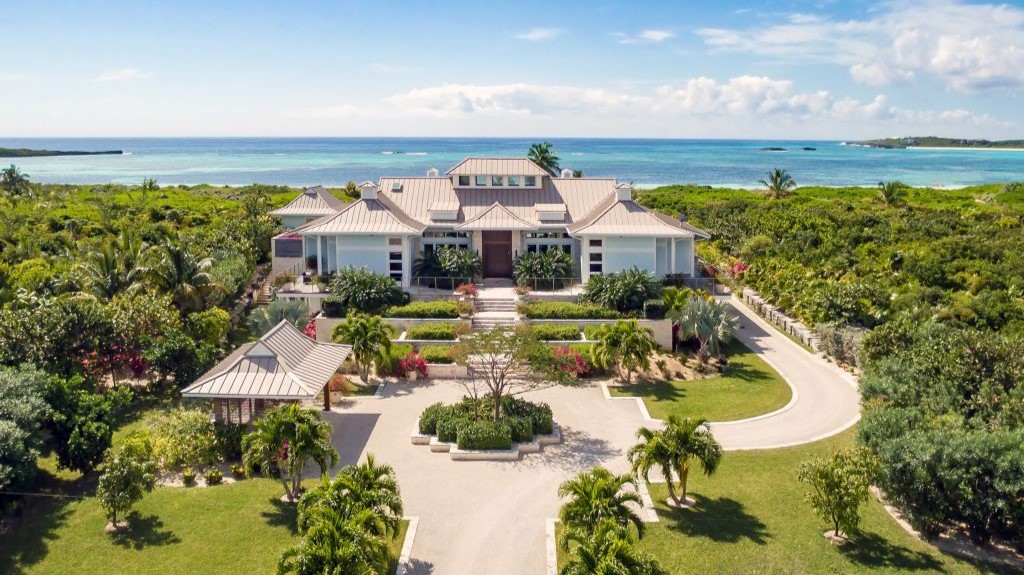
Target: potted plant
point(523, 291)
point(317, 281)
point(413, 366)
point(188, 476)
point(237, 470)
point(468, 290)
point(464, 308)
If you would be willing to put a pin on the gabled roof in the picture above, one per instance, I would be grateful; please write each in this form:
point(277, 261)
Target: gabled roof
point(496, 217)
point(379, 216)
point(283, 364)
point(497, 167)
point(315, 201)
point(613, 217)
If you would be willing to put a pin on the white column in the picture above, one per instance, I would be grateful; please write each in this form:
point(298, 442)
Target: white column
point(584, 259)
point(321, 253)
point(672, 255)
point(406, 261)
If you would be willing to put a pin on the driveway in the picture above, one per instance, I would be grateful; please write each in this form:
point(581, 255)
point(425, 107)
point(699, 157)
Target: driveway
point(825, 397)
point(483, 517)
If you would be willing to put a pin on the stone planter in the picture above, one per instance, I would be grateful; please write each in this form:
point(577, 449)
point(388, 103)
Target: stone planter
point(411, 375)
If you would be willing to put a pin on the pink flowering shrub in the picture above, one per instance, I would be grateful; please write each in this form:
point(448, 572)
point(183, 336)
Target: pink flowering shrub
point(413, 362)
point(570, 361)
point(468, 289)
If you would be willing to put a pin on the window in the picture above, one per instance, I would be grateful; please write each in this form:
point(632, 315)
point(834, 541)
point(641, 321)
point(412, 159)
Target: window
point(530, 181)
point(596, 243)
point(544, 241)
point(481, 180)
point(435, 239)
point(513, 180)
point(463, 180)
point(395, 265)
point(394, 241)
point(596, 258)
point(496, 181)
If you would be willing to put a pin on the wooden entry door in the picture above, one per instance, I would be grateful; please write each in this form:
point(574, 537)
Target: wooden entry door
point(497, 254)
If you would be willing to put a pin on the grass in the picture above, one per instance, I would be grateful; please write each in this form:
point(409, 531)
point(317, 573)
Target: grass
point(751, 518)
point(748, 388)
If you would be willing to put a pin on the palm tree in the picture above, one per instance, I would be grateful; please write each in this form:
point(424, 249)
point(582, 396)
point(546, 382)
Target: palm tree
point(597, 495)
point(179, 271)
point(779, 184)
point(607, 551)
point(338, 544)
point(624, 344)
point(364, 486)
point(675, 298)
point(284, 438)
point(544, 155)
point(265, 318)
point(710, 322)
point(13, 182)
point(672, 449)
point(891, 193)
point(369, 337)
point(115, 267)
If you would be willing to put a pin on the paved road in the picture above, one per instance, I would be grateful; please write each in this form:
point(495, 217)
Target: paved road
point(825, 397)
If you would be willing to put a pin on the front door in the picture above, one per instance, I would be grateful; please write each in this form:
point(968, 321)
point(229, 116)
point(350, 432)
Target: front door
point(497, 254)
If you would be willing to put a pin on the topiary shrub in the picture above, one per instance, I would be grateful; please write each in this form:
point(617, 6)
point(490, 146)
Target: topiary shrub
point(563, 310)
point(555, 331)
point(440, 331)
point(448, 425)
point(484, 434)
point(539, 414)
point(425, 310)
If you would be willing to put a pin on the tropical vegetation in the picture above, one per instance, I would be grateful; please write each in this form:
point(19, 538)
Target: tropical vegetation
point(624, 345)
point(369, 337)
point(672, 450)
point(284, 438)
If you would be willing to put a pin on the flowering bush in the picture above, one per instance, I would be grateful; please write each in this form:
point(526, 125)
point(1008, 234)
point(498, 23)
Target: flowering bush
point(413, 362)
point(738, 268)
point(570, 361)
point(339, 383)
point(310, 329)
point(522, 289)
point(468, 289)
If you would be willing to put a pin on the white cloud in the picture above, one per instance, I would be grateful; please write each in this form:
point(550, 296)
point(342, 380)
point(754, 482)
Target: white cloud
point(536, 34)
point(649, 36)
point(123, 74)
point(970, 47)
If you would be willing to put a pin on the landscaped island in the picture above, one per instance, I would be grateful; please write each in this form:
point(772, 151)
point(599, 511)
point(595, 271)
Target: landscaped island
point(935, 142)
point(28, 153)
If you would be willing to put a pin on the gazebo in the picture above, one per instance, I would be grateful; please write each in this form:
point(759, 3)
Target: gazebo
point(282, 366)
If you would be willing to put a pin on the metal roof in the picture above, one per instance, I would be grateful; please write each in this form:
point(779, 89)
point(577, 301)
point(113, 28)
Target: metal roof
point(315, 201)
point(627, 218)
point(496, 217)
point(283, 364)
point(497, 167)
point(379, 216)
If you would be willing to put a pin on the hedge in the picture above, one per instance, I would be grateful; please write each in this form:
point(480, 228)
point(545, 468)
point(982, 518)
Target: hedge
point(388, 365)
point(654, 309)
point(520, 421)
point(437, 354)
point(555, 331)
point(441, 309)
point(484, 434)
point(539, 414)
point(563, 310)
point(333, 307)
point(436, 331)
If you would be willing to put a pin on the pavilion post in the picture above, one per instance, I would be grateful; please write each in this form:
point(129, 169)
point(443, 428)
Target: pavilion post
point(327, 397)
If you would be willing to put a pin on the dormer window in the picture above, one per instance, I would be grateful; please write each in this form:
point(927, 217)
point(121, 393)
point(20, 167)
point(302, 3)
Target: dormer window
point(530, 181)
point(481, 180)
point(513, 180)
point(463, 181)
point(496, 181)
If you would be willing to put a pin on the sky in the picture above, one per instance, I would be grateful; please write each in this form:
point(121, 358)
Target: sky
point(595, 68)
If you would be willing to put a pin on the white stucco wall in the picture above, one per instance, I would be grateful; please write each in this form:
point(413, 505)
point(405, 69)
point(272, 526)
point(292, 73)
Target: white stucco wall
point(292, 222)
point(622, 253)
point(684, 256)
point(364, 251)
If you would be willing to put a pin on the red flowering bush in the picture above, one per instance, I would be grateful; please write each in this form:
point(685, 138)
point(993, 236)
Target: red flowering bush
point(468, 289)
point(339, 383)
point(310, 329)
point(413, 362)
point(570, 361)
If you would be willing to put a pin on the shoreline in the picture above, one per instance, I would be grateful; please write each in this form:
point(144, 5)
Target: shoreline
point(964, 149)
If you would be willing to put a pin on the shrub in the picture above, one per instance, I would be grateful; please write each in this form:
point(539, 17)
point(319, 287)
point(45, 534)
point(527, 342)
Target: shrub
point(448, 426)
point(468, 289)
point(228, 438)
point(388, 363)
point(484, 434)
point(430, 417)
point(674, 280)
point(213, 477)
point(626, 290)
point(364, 290)
point(339, 382)
point(570, 361)
point(237, 470)
point(543, 270)
point(554, 331)
point(436, 331)
point(333, 307)
point(437, 354)
point(440, 309)
point(654, 309)
point(188, 476)
point(563, 310)
point(521, 428)
point(412, 362)
point(841, 342)
point(584, 349)
point(464, 308)
point(539, 414)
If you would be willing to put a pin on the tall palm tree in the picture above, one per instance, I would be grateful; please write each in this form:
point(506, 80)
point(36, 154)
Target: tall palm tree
point(711, 322)
point(357, 487)
point(180, 272)
point(115, 266)
point(13, 181)
point(779, 184)
point(545, 156)
point(625, 345)
point(369, 337)
point(597, 495)
point(337, 544)
point(285, 437)
point(672, 450)
point(891, 193)
point(607, 551)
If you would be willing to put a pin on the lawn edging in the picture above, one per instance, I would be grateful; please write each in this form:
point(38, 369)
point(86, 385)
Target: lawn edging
point(410, 537)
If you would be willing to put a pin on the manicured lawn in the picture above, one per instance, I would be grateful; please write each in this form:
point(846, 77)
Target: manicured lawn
point(749, 387)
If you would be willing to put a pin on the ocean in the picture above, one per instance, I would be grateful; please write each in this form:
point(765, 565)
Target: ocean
point(645, 162)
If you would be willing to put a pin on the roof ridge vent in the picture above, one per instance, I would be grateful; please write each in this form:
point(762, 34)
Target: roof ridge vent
point(623, 193)
point(368, 190)
point(566, 173)
point(433, 173)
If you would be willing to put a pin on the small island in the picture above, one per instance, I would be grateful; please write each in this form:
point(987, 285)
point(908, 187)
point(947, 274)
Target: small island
point(28, 153)
point(936, 142)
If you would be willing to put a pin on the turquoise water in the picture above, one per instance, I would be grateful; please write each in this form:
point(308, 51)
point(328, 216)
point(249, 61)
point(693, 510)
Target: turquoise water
point(333, 161)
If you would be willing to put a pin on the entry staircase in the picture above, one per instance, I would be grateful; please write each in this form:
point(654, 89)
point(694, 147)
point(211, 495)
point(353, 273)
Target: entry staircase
point(495, 304)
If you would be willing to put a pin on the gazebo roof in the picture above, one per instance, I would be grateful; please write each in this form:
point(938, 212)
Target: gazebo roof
point(283, 364)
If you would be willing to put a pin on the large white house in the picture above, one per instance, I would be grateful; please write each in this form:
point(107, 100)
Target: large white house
point(499, 207)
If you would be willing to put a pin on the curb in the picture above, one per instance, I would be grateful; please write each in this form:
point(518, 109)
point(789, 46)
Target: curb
point(410, 537)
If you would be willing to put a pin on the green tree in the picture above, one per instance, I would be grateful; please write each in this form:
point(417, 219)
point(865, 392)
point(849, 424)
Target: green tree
point(672, 451)
point(177, 270)
point(23, 410)
point(338, 544)
point(115, 266)
point(129, 474)
point(779, 184)
point(625, 290)
point(209, 326)
point(265, 318)
point(369, 337)
point(891, 193)
point(597, 495)
point(81, 422)
point(183, 438)
point(366, 486)
point(13, 182)
point(545, 156)
point(711, 322)
point(625, 345)
point(256, 226)
point(838, 485)
point(607, 550)
point(285, 437)
point(175, 354)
